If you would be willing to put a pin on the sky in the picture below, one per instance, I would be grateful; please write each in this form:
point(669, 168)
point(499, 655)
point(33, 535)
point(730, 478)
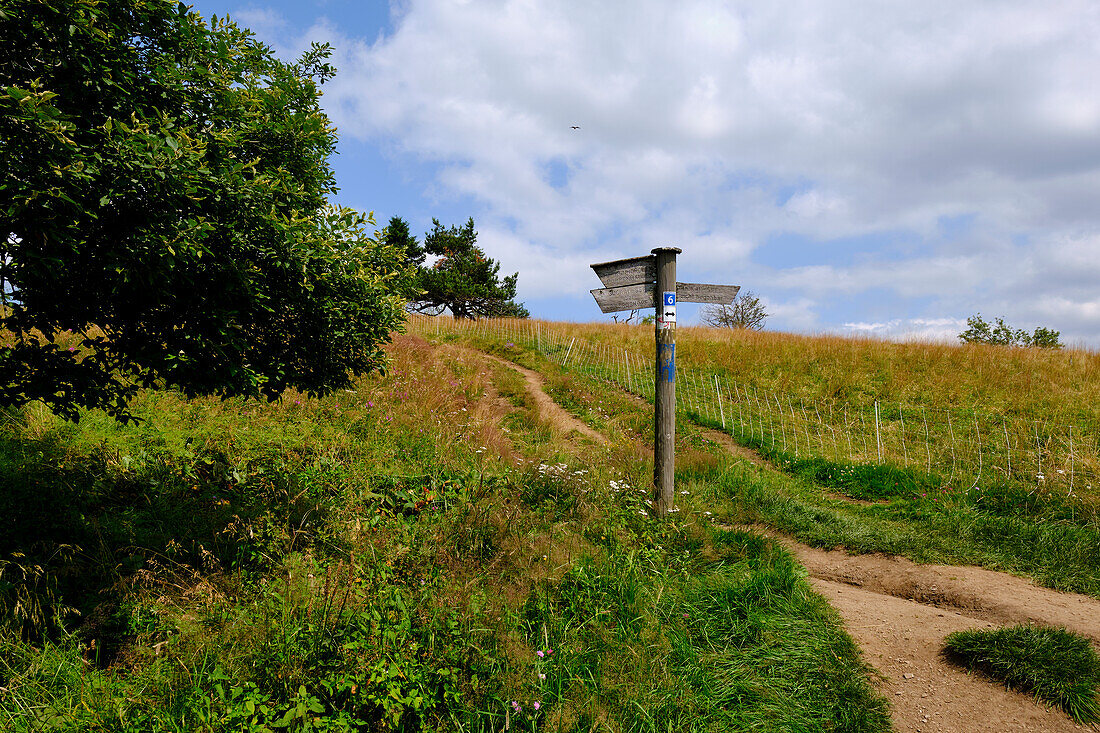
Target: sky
point(883, 169)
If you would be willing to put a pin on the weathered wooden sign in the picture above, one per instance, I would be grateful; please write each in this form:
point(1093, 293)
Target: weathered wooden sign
point(631, 284)
point(650, 282)
point(627, 272)
point(698, 293)
point(640, 295)
point(625, 297)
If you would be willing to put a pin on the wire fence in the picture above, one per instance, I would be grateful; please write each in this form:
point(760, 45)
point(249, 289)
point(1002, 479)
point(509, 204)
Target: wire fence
point(964, 448)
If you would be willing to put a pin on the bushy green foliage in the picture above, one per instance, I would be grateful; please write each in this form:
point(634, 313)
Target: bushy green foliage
point(164, 199)
point(463, 279)
point(979, 331)
point(347, 564)
point(1056, 665)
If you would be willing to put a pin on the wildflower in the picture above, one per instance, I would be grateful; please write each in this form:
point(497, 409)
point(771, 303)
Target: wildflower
point(542, 676)
point(541, 653)
point(537, 705)
point(685, 615)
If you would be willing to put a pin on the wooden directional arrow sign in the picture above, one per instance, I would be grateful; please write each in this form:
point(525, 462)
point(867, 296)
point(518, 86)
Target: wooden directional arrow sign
point(627, 272)
point(633, 297)
point(650, 282)
point(697, 293)
point(625, 298)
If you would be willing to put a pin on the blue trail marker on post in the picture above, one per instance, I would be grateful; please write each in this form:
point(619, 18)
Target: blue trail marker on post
point(650, 282)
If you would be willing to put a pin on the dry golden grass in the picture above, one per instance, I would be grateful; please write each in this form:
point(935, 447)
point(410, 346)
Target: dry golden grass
point(970, 414)
point(1061, 385)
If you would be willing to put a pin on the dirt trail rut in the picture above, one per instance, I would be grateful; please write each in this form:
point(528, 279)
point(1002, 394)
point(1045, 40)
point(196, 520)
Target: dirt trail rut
point(899, 613)
point(549, 411)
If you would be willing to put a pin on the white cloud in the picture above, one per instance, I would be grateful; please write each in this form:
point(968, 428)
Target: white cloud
point(798, 314)
point(698, 119)
point(910, 329)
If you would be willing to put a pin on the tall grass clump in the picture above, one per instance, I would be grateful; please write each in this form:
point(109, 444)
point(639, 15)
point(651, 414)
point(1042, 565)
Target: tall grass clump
point(1054, 664)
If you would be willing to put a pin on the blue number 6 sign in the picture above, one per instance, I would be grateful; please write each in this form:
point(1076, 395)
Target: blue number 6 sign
point(670, 298)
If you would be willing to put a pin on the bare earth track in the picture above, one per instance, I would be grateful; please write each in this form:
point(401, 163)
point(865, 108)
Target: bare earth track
point(549, 411)
point(899, 613)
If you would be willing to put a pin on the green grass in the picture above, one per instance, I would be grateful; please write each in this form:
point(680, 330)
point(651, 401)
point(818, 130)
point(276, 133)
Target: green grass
point(1005, 526)
point(1055, 665)
point(394, 558)
point(1059, 555)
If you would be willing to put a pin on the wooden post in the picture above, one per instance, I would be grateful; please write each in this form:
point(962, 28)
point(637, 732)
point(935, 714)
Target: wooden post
point(664, 403)
point(641, 282)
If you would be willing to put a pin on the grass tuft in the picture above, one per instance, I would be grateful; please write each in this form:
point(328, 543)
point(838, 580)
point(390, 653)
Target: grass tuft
point(1054, 664)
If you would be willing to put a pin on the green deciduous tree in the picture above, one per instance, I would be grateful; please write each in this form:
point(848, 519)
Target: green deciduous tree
point(463, 279)
point(164, 197)
point(746, 311)
point(979, 331)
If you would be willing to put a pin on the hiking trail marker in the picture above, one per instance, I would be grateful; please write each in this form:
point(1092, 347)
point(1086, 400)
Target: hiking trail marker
point(650, 282)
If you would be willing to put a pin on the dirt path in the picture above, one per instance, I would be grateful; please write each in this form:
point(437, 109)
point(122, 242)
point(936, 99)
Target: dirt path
point(549, 411)
point(899, 613)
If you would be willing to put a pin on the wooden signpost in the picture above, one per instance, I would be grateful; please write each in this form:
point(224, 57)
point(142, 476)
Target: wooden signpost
point(650, 282)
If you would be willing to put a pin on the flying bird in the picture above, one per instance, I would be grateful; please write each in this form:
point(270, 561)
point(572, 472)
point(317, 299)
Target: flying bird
point(576, 127)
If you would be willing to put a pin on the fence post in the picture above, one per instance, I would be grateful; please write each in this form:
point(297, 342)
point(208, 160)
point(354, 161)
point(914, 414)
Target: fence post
point(756, 391)
point(568, 351)
point(978, 436)
point(951, 434)
point(1038, 454)
point(904, 450)
point(878, 433)
point(1071, 460)
point(782, 420)
point(721, 409)
point(740, 412)
point(806, 427)
point(794, 426)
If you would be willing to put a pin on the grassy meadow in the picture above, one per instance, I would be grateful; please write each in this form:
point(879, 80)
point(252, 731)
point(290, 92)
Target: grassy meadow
point(418, 553)
point(423, 552)
point(1038, 530)
point(1057, 384)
